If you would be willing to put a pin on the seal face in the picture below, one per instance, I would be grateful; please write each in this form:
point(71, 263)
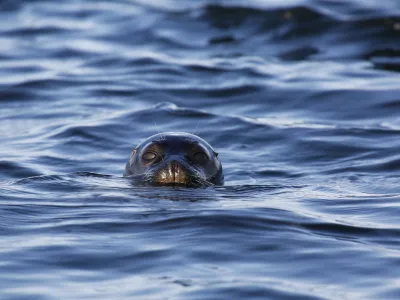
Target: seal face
point(175, 158)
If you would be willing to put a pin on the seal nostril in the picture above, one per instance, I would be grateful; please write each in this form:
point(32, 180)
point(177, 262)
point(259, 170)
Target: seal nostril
point(173, 171)
point(173, 167)
point(178, 172)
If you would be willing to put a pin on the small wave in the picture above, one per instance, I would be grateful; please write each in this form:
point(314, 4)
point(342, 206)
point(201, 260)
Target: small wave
point(33, 31)
point(352, 232)
point(16, 170)
point(225, 17)
point(81, 132)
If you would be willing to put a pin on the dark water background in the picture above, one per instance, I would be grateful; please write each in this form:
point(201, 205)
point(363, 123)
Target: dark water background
point(300, 98)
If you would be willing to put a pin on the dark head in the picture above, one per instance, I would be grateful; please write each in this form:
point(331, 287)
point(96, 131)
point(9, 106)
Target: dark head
point(175, 158)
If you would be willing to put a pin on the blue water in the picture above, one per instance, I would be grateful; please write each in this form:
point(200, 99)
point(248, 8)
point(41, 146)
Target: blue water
point(300, 98)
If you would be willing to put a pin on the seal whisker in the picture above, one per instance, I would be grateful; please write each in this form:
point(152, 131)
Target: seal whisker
point(194, 131)
point(162, 136)
point(158, 131)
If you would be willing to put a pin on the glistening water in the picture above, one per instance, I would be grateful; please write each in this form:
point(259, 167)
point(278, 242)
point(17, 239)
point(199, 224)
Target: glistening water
point(301, 99)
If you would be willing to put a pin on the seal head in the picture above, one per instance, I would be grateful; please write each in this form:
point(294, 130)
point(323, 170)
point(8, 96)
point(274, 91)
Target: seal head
point(177, 159)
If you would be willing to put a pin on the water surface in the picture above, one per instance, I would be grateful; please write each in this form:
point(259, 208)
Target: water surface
point(301, 99)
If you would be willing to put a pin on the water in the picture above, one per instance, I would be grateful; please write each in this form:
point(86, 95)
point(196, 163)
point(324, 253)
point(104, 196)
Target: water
point(300, 99)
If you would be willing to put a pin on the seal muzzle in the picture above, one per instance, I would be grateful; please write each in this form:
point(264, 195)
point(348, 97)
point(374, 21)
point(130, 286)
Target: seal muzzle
point(173, 173)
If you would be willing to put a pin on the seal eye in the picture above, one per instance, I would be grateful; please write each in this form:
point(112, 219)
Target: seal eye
point(200, 157)
point(148, 156)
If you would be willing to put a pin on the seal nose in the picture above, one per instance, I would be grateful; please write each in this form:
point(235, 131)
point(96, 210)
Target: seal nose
point(178, 172)
point(173, 173)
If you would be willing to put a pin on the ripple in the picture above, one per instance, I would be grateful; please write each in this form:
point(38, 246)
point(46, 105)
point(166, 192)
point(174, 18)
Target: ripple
point(16, 170)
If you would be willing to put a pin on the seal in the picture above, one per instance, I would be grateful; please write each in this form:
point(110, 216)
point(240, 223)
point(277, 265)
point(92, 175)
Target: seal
point(177, 159)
